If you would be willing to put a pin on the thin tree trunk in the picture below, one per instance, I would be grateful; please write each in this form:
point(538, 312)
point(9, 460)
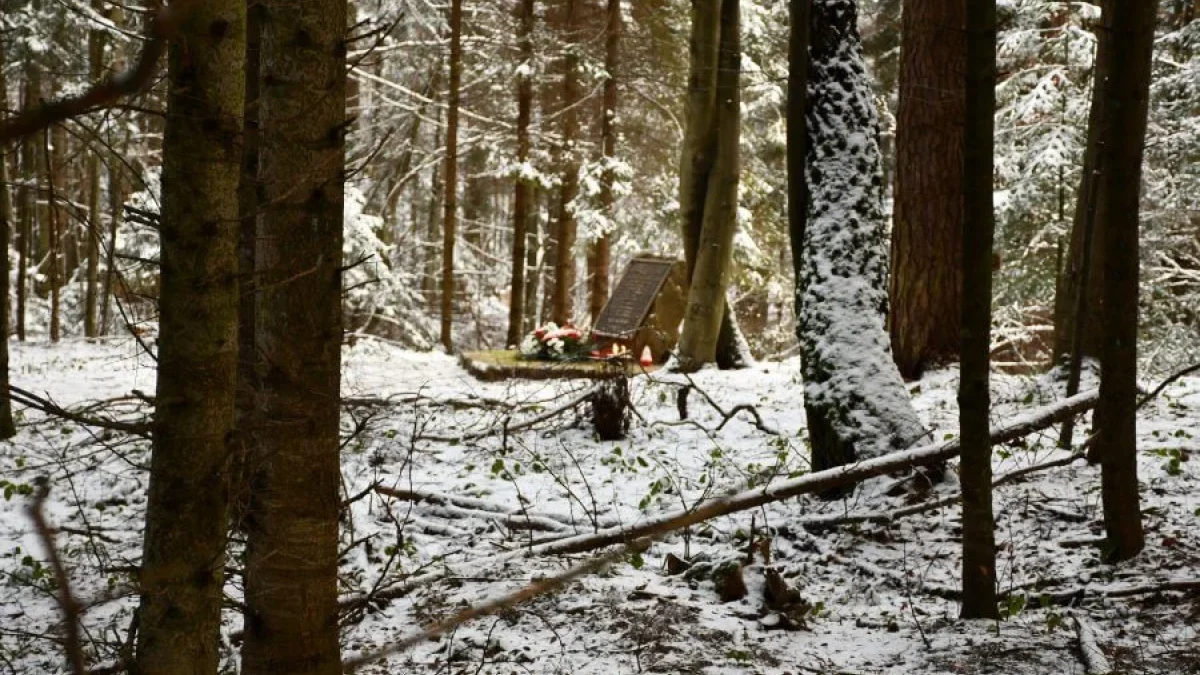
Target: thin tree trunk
point(7, 428)
point(1091, 213)
point(857, 404)
point(523, 190)
point(291, 620)
point(116, 198)
point(797, 139)
point(699, 157)
point(600, 253)
point(450, 201)
point(182, 573)
point(91, 294)
point(562, 306)
point(53, 232)
point(1124, 146)
point(977, 230)
point(26, 212)
point(714, 251)
point(926, 265)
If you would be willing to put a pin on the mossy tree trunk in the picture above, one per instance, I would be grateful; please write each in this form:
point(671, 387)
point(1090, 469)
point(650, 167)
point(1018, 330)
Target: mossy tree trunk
point(708, 151)
point(182, 573)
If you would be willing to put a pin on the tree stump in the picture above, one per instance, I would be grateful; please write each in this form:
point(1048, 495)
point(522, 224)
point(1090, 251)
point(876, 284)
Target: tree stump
point(610, 408)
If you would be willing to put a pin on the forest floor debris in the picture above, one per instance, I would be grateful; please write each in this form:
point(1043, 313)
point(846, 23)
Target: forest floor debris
point(866, 593)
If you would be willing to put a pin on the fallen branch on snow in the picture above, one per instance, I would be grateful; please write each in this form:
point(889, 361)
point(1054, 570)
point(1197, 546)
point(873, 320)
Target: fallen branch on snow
point(820, 481)
point(439, 505)
point(45, 405)
point(1094, 660)
point(510, 428)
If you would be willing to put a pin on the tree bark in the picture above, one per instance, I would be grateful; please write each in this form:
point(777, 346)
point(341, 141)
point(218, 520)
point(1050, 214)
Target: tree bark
point(116, 198)
point(450, 201)
point(924, 289)
point(1091, 213)
point(53, 232)
point(600, 253)
point(714, 246)
point(246, 417)
point(1123, 148)
point(26, 210)
point(976, 231)
point(523, 190)
point(291, 614)
point(91, 293)
point(7, 428)
point(856, 401)
point(699, 158)
point(797, 139)
point(562, 305)
point(182, 573)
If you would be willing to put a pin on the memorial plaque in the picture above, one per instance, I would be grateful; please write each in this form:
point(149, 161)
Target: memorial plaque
point(633, 298)
point(645, 309)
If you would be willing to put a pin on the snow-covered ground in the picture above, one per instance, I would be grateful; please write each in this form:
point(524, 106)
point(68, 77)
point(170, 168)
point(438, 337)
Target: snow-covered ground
point(877, 598)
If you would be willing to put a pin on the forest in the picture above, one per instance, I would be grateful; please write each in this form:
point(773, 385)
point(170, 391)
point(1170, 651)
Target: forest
point(596, 337)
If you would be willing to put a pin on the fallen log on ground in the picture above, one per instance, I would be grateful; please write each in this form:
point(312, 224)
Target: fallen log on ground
point(820, 481)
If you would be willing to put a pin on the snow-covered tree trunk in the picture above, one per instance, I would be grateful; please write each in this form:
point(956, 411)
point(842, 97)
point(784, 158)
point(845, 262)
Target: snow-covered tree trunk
point(857, 404)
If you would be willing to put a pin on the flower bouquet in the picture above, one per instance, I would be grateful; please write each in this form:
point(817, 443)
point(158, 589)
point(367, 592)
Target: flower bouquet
point(554, 343)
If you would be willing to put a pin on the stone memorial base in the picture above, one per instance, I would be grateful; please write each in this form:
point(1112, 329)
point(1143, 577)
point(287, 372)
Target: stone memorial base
point(503, 364)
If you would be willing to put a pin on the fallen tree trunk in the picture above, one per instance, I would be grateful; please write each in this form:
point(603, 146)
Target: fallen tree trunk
point(821, 481)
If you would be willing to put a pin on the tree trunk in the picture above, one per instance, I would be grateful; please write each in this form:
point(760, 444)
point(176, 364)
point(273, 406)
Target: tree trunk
point(926, 232)
point(246, 417)
point(182, 574)
point(450, 201)
point(26, 210)
point(523, 190)
point(53, 248)
point(7, 428)
point(116, 197)
point(91, 294)
point(1091, 213)
point(698, 159)
point(1123, 147)
point(600, 253)
point(857, 404)
point(292, 527)
point(27, 205)
point(562, 306)
point(714, 247)
point(797, 139)
point(977, 230)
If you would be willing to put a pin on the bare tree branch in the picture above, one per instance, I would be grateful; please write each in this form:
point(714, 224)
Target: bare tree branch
point(66, 599)
point(163, 24)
